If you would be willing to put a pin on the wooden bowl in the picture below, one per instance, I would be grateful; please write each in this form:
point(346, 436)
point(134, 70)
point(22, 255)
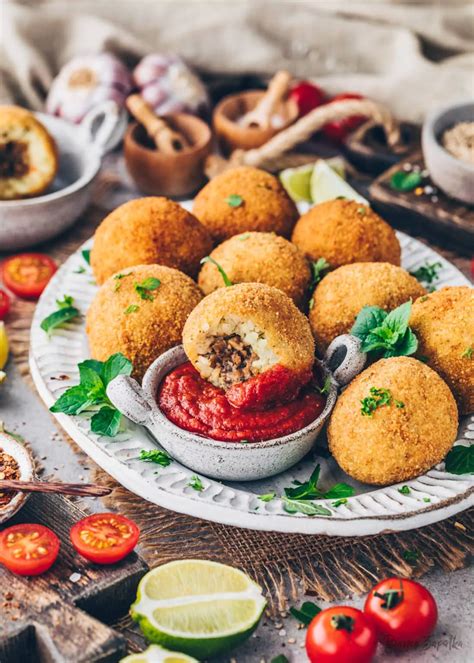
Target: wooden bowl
point(177, 174)
point(230, 135)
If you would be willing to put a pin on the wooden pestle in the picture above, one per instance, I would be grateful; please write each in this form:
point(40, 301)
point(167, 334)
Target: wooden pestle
point(57, 487)
point(167, 140)
point(276, 92)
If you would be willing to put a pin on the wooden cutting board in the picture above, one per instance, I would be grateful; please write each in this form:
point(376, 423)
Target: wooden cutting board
point(55, 616)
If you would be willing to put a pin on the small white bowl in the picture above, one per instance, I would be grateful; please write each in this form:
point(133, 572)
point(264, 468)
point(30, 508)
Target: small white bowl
point(454, 176)
point(25, 465)
point(232, 461)
point(28, 221)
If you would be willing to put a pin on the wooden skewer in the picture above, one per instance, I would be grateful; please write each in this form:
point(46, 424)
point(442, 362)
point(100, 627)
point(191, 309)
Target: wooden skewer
point(167, 140)
point(58, 487)
point(277, 90)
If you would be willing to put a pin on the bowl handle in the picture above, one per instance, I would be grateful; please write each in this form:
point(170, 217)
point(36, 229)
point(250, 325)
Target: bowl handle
point(344, 358)
point(104, 126)
point(127, 396)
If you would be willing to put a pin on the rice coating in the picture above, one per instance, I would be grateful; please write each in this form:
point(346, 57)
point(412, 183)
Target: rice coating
point(396, 443)
point(344, 232)
point(259, 258)
point(238, 332)
point(444, 324)
point(120, 320)
point(263, 206)
point(341, 295)
point(145, 231)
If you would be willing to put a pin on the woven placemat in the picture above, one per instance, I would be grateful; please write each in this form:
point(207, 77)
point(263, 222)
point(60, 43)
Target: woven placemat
point(327, 567)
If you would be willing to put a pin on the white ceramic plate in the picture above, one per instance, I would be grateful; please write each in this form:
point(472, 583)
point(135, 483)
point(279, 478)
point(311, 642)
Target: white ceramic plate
point(370, 511)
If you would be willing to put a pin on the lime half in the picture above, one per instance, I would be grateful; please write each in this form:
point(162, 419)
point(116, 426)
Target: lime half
point(198, 607)
point(326, 184)
point(155, 654)
point(3, 345)
point(297, 182)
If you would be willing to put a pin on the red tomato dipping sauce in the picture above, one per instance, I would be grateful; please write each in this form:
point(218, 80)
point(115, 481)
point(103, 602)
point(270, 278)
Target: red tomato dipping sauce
point(196, 405)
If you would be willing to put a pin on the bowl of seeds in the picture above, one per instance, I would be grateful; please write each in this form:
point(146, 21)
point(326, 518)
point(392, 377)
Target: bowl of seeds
point(15, 464)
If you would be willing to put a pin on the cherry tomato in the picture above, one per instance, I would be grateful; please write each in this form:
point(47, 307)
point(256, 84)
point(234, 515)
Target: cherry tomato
point(403, 611)
point(337, 131)
point(27, 274)
point(104, 538)
point(341, 634)
point(28, 549)
point(307, 97)
point(4, 304)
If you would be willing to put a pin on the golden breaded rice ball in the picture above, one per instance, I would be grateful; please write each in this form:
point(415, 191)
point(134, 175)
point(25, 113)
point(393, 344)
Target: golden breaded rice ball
point(259, 258)
point(244, 199)
point(444, 325)
point(341, 295)
point(402, 439)
point(140, 312)
point(345, 231)
point(146, 231)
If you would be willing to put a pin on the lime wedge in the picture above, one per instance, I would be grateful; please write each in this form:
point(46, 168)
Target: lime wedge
point(326, 184)
point(297, 182)
point(155, 654)
point(3, 345)
point(198, 607)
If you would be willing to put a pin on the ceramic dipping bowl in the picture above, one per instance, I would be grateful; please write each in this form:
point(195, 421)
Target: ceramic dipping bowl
point(232, 461)
point(177, 174)
point(28, 221)
point(9, 445)
point(230, 134)
point(454, 176)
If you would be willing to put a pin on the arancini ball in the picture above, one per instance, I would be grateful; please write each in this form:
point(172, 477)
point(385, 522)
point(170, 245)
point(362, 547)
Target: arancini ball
point(146, 231)
point(444, 325)
point(259, 258)
point(394, 421)
point(341, 295)
point(344, 232)
point(244, 199)
point(140, 312)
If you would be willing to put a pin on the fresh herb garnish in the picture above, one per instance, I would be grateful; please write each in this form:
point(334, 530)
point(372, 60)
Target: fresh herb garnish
point(319, 269)
point(90, 394)
point(411, 556)
point(281, 658)
point(340, 502)
point(309, 489)
point(145, 288)
point(460, 460)
point(306, 613)
point(225, 278)
point(133, 308)
point(86, 254)
point(326, 386)
point(66, 311)
point(234, 200)
point(362, 211)
point(402, 181)
point(156, 456)
point(467, 353)
point(196, 483)
point(426, 499)
point(378, 398)
point(385, 334)
point(80, 270)
point(404, 490)
point(243, 237)
point(427, 273)
point(118, 278)
point(267, 497)
point(304, 506)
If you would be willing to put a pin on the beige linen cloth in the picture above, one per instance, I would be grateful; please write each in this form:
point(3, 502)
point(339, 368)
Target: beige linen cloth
point(412, 56)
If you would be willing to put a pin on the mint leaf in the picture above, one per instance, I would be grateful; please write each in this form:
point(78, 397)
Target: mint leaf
point(225, 278)
point(460, 460)
point(306, 613)
point(66, 302)
point(116, 364)
point(402, 181)
point(304, 506)
point(73, 401)
point(94, 365)
point(145, 288)
point(369, 318)
point(406, 346)
point(385, 335)
point(234, 200)
point(56, 319)
point(338, 490)
point(106, 421)
point(91, 380)
point(86, 254)
point(397, 320)
point(268, 497)
point(156, 456)
point(427, 273)
point(196, 483)
point(307, 490)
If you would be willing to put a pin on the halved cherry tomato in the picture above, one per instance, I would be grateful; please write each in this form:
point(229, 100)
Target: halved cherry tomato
point(4, 304)
point(403, 611)
point(28, 549)
point(341, 634)
point(337, 131)
point(104, 538)
point(27, 274)
point(307, 97)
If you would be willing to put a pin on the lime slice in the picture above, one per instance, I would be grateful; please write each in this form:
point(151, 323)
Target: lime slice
point(155, 654)
point(3, 345)
point(198, 607)
point(326, 184)
point(297, 182)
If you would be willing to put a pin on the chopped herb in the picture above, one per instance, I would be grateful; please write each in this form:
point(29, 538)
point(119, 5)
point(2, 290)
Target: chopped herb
point(326, 386)
point(118, 278)
point(225, 278)
point(319, 269)
point(66, 311)
point(402, 181)
point(234, 200)
point(399, 404)
point(281, 658)
point(378, 398)
point(145, 288)
point(411, 556)
point(304, 506)
point(87, 256)
point(133, 308)
point(80, 270)
point(309, 489)
point(404, 490)
point(306, 613)
point(196, 483)
point(156, 456)
point(340, 502)
point(340, 197)
point(426, 499)
point(385, 334)
point(268, 497)
point(427, 273)
point(460, 460)
point(468, 353)
point(243, 237)
point(424, 298)
point(66, 302)
point(362, 211)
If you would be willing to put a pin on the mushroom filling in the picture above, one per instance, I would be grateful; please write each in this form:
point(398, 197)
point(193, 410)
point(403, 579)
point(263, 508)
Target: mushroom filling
point(13, 159)
point(234, 352)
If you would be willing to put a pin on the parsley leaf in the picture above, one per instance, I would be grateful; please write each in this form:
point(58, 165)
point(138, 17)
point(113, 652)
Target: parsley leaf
point(225, 278)
point(402, 181)
point(309, 489)
point(385, 334)
point(460, 460)
point(306, 613)
point(156, 456)
point(304, 506)
point(145, 288)
point(378, 398)
point(234, 200)
point(268, 497)
point(404, 490)
point(196, 483)
point(427, 273)
point(66, 311)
